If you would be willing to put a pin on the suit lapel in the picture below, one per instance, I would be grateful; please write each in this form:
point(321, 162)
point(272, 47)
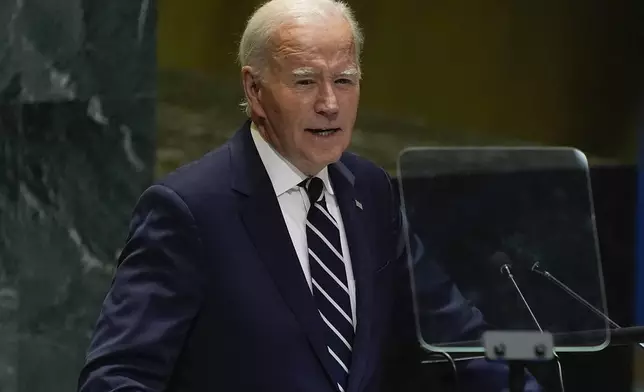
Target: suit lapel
point(265, 224)
point(353, 220)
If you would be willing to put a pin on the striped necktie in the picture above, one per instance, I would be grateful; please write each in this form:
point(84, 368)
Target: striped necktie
point(329, 281)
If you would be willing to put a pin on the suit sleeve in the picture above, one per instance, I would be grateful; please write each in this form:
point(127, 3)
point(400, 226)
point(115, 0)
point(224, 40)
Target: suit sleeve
point(154, 297)
point(442, 313)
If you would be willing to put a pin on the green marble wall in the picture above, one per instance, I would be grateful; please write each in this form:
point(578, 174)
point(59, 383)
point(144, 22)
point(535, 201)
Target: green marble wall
point(77, 147)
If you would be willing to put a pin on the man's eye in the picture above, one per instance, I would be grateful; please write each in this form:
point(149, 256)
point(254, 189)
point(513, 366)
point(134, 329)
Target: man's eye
point(304, 82)
point(344, 81)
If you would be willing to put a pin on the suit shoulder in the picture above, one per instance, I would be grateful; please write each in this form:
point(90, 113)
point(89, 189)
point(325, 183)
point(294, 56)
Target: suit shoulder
point(207, 174)
point(364, 169)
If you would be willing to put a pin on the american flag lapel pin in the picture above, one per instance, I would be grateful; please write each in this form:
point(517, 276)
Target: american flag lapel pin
point(358, 204)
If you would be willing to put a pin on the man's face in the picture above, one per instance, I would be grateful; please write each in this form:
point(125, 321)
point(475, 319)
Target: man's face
point(307, 100)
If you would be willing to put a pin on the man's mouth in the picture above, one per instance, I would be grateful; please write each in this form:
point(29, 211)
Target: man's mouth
point(322, 131)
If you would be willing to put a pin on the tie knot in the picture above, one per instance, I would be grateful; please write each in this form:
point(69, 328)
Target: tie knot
point(313, 186)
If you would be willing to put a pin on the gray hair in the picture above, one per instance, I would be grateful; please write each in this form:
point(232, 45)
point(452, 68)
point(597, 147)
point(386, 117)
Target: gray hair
point(253, 47)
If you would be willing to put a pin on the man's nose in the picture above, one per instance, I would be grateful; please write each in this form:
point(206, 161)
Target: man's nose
point(327, 103)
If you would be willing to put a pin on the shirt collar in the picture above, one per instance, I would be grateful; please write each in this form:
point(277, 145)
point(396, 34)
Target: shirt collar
point(283, 174)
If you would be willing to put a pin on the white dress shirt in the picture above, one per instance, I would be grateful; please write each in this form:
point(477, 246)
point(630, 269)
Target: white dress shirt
point(294, 203)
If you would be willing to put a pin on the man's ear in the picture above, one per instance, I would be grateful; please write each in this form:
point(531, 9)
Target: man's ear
point(252, 90)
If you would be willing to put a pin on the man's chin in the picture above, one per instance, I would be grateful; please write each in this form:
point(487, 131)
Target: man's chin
point(312, 167)
point(326, 162)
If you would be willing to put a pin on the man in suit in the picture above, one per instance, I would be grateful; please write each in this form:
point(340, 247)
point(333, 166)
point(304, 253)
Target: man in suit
point(273, 262)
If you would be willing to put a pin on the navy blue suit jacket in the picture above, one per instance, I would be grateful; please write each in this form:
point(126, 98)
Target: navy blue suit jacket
point(209, 294)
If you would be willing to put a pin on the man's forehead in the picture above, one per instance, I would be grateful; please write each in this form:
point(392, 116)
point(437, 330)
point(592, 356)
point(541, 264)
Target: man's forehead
point(315, 61)
point(306, 50)
point(310, 39)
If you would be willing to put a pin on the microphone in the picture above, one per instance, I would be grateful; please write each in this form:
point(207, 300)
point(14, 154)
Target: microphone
point(538, 269)
point(502, 261)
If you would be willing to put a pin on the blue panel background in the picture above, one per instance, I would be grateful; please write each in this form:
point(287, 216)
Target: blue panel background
point(639, 239)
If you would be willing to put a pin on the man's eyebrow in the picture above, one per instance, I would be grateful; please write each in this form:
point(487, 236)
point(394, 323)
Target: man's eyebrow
point(310, 71)
point(353, 71)
point(303, 71)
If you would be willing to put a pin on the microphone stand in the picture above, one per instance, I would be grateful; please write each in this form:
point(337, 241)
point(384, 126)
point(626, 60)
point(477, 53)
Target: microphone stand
point(506, 270)
point(517, 368)
point(536, 268)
